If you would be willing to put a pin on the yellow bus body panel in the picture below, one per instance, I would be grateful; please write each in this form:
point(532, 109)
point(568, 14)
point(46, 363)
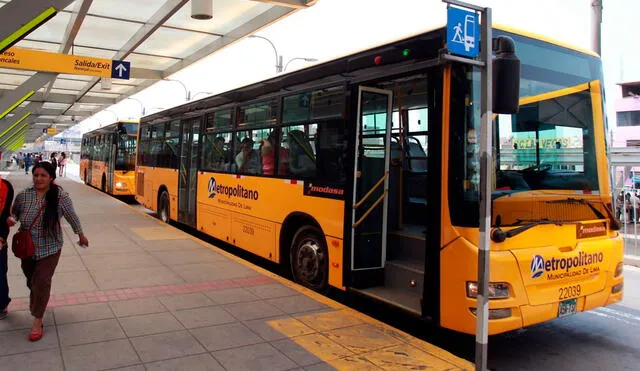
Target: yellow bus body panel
point(251, 216)
point(533, 299)
point(98, 169)
point(154, 178)
point(127, 180)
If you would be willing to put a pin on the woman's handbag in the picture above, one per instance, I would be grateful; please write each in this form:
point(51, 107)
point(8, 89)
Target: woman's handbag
point(22, 244)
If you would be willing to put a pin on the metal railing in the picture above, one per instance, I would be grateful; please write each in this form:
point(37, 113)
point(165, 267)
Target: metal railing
point(626, 201)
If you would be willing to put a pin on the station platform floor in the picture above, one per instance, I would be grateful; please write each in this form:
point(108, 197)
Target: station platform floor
point(147, 296)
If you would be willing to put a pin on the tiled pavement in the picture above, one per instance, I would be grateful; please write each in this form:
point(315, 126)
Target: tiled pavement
point(133, 301)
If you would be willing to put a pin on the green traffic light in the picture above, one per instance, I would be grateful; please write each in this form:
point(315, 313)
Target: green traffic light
point(406, 52)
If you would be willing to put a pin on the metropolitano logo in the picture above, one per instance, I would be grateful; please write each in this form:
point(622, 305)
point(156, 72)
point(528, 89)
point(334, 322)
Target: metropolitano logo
point(212, 187)
point(537, 266)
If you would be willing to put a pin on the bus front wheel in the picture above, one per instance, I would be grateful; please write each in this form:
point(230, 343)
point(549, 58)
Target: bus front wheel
point(103, 184)
point(163, 207)
point(310, 259)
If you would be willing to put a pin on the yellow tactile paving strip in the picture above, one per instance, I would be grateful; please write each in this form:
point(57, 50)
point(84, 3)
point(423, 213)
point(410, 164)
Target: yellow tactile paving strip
point(347, 342)
point(344, 338)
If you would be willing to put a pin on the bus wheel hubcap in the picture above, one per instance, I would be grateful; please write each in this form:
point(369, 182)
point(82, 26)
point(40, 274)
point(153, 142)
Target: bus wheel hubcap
point(309, 261)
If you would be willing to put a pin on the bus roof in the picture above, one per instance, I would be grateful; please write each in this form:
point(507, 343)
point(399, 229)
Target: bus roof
point(109, 127)
point(322, 72)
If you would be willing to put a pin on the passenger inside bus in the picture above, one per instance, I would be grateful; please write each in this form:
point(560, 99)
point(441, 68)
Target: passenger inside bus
point(302, 161)
point(221, 154)
point(247, 160)
point(268, 156)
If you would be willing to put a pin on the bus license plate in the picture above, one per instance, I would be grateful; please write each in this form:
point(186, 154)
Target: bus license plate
point(567, 307)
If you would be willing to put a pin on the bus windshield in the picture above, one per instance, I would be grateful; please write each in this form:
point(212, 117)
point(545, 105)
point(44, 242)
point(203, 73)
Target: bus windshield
point(547, 149)
point(126, 147)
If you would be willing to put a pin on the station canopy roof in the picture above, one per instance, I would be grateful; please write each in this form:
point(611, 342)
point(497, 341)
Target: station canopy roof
point(158, 38)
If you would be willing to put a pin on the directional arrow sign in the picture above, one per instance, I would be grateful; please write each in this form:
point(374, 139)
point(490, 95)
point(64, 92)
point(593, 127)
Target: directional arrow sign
point(120, 70)
point(36, 60)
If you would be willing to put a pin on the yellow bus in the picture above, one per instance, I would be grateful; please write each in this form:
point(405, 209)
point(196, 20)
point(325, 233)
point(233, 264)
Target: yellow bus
point(361, 174)
point(107, 158)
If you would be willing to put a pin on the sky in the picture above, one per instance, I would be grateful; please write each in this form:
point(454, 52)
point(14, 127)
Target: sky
point(333, 28)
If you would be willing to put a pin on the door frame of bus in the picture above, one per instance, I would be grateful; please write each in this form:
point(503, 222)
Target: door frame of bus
point(184, 216)
point(89, 169)
point(384, 180)
point(112, 164)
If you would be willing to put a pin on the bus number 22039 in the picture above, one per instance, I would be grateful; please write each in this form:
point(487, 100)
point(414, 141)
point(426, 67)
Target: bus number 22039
point(569, 292)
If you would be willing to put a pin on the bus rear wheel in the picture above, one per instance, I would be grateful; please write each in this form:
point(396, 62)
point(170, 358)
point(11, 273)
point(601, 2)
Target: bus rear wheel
point(103, 184)
point(163, 207)
point(310, 259)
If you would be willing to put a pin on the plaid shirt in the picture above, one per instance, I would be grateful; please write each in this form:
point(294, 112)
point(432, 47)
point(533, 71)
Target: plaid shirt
point(26, 208)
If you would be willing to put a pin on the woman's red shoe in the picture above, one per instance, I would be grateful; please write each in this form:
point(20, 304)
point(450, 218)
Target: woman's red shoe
point(35, 335)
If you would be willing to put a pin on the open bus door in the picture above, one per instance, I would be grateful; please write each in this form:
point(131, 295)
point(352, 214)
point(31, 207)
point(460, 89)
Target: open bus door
point(188, 175)
point(371, 184)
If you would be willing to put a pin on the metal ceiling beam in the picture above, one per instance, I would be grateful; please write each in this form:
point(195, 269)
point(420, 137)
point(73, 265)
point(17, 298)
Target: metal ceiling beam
point(233, 36)
point(18, 132)
point(60, 112)
point(15, 140)
point(17, 113)
point(35, 82)
point(39, 120)
point(17, 13)
point(297, 4)
point(165, 12)
point(77, 17)
point(66, 99)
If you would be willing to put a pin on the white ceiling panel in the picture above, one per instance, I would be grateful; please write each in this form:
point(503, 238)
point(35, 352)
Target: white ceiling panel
point(68, 84)
point(9, 79)
point(150, 62)
point(135, 10)
point(39, 45)
point(53, 30)
point(106, 33)
point(75, 77)
point(51, 105)
point(93, 53)
point(115, 89)
point(175, 43)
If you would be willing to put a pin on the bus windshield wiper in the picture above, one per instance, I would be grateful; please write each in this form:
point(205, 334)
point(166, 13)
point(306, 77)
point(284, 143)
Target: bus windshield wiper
point(614, 224)
point(498, 235)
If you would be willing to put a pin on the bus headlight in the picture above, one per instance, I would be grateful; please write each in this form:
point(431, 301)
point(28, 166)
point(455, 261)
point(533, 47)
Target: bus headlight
point(121, 185)
point(497, 290)
point(619, 269)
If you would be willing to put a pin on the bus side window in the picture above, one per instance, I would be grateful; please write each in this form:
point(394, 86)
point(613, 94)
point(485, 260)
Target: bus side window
point(302, 156)
point(331, 147)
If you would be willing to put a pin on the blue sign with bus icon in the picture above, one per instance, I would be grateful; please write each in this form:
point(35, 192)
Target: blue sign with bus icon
point(463, 32)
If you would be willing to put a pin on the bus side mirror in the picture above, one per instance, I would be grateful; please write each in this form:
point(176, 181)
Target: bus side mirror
point(506, 76)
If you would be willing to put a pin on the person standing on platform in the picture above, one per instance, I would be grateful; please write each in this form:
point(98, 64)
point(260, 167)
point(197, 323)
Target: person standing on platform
point(54, 162)
point(39, 209)
point(62, 163)
point(6, 197)
point(27, 163)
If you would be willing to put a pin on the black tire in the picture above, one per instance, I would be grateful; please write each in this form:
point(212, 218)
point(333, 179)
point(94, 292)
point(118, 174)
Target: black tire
point(309, 259)
point(103, 184)
point(85, 177)
point(163, 207)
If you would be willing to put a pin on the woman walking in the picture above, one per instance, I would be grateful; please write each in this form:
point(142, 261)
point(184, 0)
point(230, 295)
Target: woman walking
point(39, 209)
point(62, 163)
